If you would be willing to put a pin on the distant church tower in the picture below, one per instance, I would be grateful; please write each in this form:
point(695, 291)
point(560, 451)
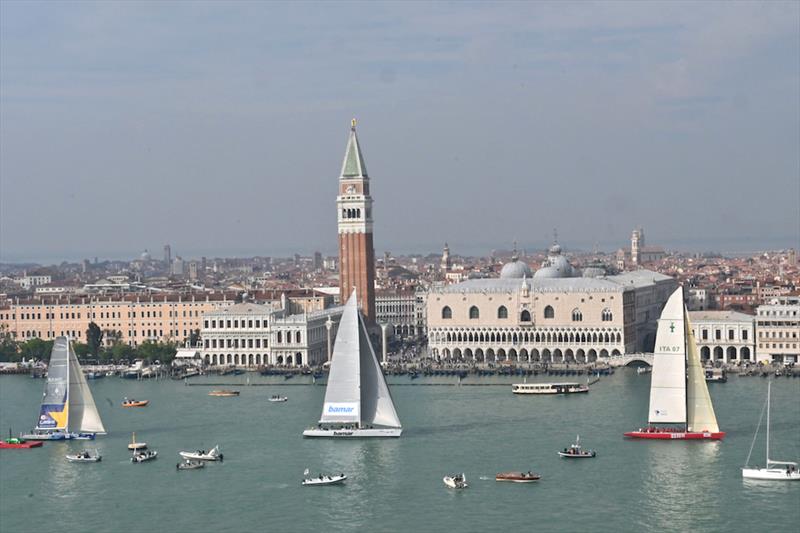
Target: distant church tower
point(445, 264)
point(356, 253)
point(637, 243)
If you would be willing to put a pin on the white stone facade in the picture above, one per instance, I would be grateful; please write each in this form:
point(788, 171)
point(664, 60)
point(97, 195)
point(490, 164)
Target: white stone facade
point(724, 336)
point(778, 327)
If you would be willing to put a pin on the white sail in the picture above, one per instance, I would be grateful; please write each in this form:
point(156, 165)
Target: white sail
point(668, 381)
point(343, 392)
point(83, 411)
point(377, 406)
point(699, 410)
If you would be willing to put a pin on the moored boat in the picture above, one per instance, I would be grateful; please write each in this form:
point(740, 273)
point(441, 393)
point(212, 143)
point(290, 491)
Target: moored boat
point(224, 393)
point(575, 451)
point(680, 406)
point(84, 457)
point(773, 470)
point(456, 481)
point(202, 455)
point(276, 398)
point(190, 464)
point(134, 446)
point(16, 442)
point(518, 477)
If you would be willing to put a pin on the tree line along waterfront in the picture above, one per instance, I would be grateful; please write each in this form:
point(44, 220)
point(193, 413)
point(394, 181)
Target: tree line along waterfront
point(93, 350)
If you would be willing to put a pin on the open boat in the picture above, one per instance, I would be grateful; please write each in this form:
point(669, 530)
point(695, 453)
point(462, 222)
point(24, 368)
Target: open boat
point(84, 457)
point(224, 393)
point(517, 477)
point(456, 481)
point(678, 391)
point(68, 410)
point(16, 442)
point(773, 470)
point(190, 464)
point(136, 445)
point(277, 398)
point(134, 403)
point(357, 400)
point(323, 479)
point(575, 451)
point(202, 455)
point(142, 456)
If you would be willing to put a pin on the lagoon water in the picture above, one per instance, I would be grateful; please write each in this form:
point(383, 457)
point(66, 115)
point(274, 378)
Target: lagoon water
point(396, 485)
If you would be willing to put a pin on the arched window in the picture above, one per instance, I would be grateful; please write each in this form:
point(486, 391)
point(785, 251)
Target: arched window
point(525, 316)
point(549, 312)
point(474, 313)
point(577, 316)
point(502, 312)
point(608, 316)
point(447, 312)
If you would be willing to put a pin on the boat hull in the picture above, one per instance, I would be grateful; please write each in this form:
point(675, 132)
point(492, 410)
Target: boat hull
point(584, 455)
point(676, 435)
point(21, 445)
point(770, 474)
point(76, 459)
point(353, 433)
point(517, 477)
point(44, 436)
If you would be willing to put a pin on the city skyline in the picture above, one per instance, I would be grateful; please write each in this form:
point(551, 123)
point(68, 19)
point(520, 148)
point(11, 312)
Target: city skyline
point(481, 119)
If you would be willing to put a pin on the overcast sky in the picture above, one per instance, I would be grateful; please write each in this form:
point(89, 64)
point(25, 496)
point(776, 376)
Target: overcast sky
point(221, 127)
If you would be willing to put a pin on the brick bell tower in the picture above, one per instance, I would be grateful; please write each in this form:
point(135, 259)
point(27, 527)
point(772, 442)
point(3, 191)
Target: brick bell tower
point(356, 253)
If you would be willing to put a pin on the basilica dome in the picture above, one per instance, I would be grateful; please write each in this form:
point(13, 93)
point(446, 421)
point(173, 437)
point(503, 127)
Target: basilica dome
point(515, 269)
point(556, 265)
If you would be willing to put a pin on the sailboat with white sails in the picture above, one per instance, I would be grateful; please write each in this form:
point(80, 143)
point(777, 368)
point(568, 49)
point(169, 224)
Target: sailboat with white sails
point(773, 470)
point(678, 392)
point(68, 410)
point(357, 399)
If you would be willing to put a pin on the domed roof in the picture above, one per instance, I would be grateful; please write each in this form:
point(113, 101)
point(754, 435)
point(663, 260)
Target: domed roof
point(145, 256)
point(515, 270)
point(556, 265)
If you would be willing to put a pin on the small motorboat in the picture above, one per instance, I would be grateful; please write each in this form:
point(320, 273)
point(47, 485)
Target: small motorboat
point(134, 403)
point(277, 398)
point(136, 445)
point(190, 464)
point(224, 393)
point(324, 479)
point(456, 481)
point(142, 456)
point(518, 477)
point(575, 451)
point(81, 436)
point(84, 457)
point(16, 442)
point(202, 455)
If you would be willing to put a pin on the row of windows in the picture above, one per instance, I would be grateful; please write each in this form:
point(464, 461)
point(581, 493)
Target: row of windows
point(718, 334)
point(521, 337)
point(776, 345)
point(525, 315)
point(235, 343)
point(776, 334)
point(93, 315)
point(235, 323)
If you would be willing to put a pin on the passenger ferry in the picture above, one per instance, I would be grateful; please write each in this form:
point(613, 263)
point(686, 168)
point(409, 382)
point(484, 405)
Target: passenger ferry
point(548, 388)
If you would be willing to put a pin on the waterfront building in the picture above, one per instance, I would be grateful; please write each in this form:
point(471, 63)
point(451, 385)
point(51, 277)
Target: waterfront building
point(553, 315)
point(724, 336)
point(249, 334)
point(403, 310)
point(355, 225)
point(778, 327)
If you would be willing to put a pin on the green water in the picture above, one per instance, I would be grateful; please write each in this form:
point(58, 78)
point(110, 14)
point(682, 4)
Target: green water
point(396, 485)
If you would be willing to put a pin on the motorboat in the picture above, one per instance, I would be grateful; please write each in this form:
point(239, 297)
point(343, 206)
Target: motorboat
point(134, 403)
point(323, 479)
point(134, 446)
point(716, 375)
point(679, 395)
point(575, 451)
point(644, 370)
point(456, 481)
point(142, 456)
point(16, 442)
point(81, 436)
point(224, 393)
point(358, 403)
point(774, 470)
point(549, 388)
point(277, 398)
point(517, 477)
point(202, 455)
point(84, 457)
point(190, 464)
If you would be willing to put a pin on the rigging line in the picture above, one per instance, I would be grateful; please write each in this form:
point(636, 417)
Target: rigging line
point(752, 444)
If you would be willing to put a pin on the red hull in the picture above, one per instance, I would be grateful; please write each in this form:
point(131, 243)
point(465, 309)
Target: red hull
point(28, 444)
point(676, 435)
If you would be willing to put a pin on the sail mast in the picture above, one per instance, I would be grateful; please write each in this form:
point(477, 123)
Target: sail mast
point(769, 394)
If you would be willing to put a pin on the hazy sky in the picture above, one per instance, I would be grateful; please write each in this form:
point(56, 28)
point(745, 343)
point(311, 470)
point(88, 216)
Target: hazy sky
point(221, 127)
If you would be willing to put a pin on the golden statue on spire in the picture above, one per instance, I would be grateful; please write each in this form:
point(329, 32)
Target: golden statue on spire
point(353, 123)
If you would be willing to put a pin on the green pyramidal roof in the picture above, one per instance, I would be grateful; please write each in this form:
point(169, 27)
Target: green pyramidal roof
point(353, 166)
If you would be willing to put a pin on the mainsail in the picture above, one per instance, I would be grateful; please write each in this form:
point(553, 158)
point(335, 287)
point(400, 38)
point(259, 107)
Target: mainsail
point(54, 413)
point(699, 410)
point(668, 382)
point(356, 390)
point(83, 411)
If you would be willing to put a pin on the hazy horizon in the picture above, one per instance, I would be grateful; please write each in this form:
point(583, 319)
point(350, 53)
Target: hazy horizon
point(220, 127)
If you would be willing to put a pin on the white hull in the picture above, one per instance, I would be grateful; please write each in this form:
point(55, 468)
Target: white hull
point(452, 483)
point(772, 474)
point(353, 433)
point(77, 459)
point(326, 480)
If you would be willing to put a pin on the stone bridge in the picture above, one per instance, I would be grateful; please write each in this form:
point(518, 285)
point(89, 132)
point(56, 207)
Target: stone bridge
point(629, 358)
